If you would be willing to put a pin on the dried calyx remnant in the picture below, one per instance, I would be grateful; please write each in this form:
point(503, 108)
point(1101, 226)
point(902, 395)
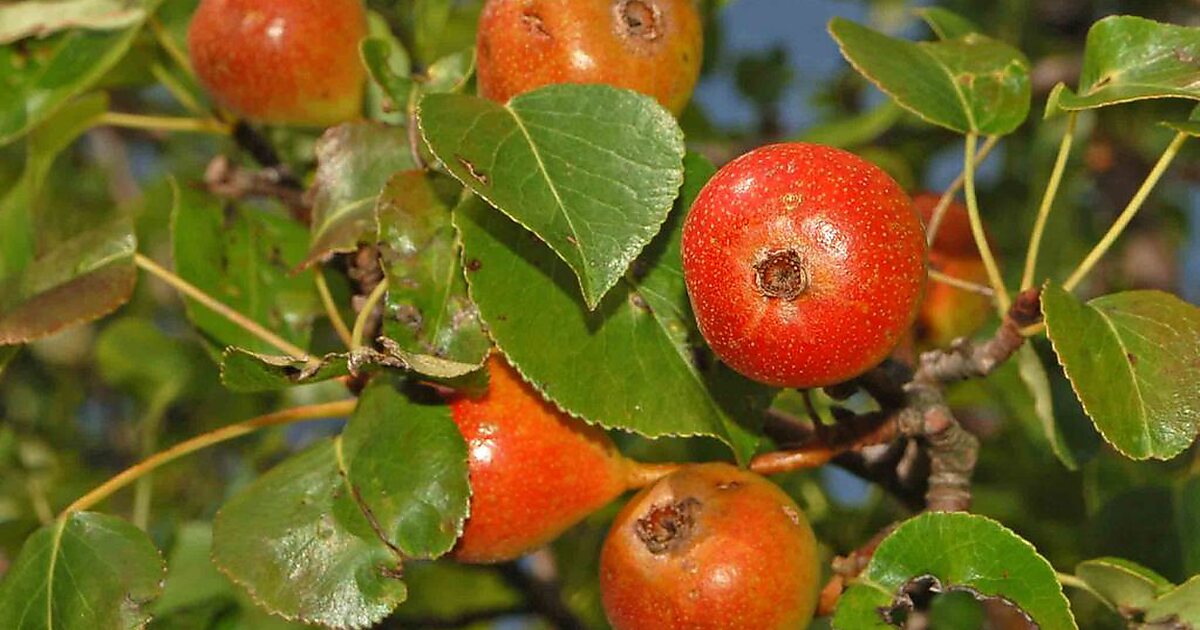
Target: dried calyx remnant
point(639, 18)
point(781, 274)
point(668, 526)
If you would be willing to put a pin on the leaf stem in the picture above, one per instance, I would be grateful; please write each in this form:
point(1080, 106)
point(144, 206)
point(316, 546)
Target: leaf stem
point(180, 93)
point(1127, 214)
point(163, 123)
point(959, 283)
point(286, 416)
point(985, 250)
point(939, 211)
point(149, 426)
point(1039, 226)
point(331, 310)
point(360, 323)
point(168, 44)
point(208, 301)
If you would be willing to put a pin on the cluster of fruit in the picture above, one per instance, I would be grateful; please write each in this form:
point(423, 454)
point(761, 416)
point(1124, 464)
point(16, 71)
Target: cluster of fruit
point(805, 266)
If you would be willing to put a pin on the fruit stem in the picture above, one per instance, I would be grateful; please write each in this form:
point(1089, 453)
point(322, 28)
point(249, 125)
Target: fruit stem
point(163, 123)
point(1127, 214)
point(286, 416)
point(985, 250)
point(959, 283)
point(331, 311)
point(641, 474)
point(939, 211)
point(360, 323)
point(1039, 227)
point(211, 303)
point(779, 462)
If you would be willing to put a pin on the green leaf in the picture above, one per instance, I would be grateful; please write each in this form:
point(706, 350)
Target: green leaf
point(1133, 359)
point(427, 310)
point(947, 24)
point(948, 551)
point(39, 78)
point(854, 131)
point(297, 540)
point(160, 367)
point(388, 64)
point(450, 73)
point(1124, 584)
point(968, 84)
point(407, 462)
point(44, 17)
point(58, 266)
point(354, 161)
point(1072, 441)
point(244, 257)
point(246, 371)
point(86, 571)
point(1191, 126)
point(1129, 58)
point(1181, 605)
point(192, 578)
point(7, 354)
point(591, 169)
point(628, 364)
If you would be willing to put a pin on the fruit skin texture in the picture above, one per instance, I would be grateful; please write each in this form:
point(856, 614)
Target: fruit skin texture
point(948, 312)
point(652, 46)
point(534, 470)
point(283, 61)
point(805, 264)
point(710, 546)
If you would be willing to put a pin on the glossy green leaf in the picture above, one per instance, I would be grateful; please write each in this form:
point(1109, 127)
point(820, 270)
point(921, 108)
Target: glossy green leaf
point(968, 84)
point(244, 257)
point(628, 364)
point(591, 169)
point(43, 17)
point(246, 371)
point(58, 268)
point(947, 24)
point(408, 464)
point(1133, 359)
point(354, 162)
point(953, 551)
point(1124, 584)
point(39, 78)
point(1181, 605)
point(86, 571)
point(427, 310)
point(300, 544)
point(1129, 58)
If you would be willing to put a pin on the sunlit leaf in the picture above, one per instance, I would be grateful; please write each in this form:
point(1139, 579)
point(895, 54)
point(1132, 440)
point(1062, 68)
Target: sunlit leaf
point(85, 571)
point(408, 464)
point(43, 17)
point(628, 364)
point(1134, 361)
point(944, 552)
point(1129, 58)
point(354, 162)
point(971, 83)
point(298, 541)
point(427, 310)
point(592, 170)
